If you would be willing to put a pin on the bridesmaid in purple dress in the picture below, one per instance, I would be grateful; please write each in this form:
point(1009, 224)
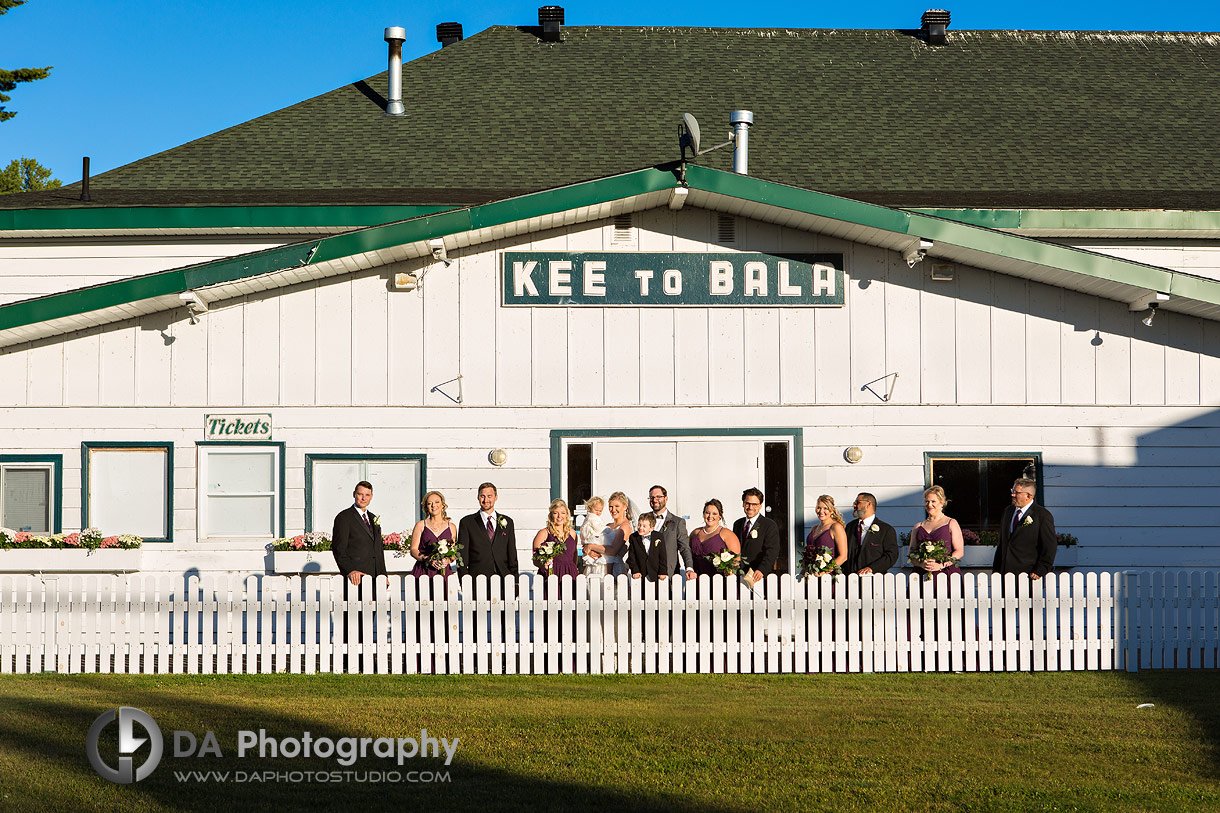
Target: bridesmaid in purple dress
point(830, 532)
point(559, 527)
point(711, 539)
point(434, 527)
point(939, 527)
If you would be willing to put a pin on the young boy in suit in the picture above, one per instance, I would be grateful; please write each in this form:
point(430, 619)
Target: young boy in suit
point(646, 551)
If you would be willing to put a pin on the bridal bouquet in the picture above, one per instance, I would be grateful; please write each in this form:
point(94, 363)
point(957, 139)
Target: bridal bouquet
point(726, 562)
point(929, 550)
point(446, 549)
point(818, 561)
point(546, 553)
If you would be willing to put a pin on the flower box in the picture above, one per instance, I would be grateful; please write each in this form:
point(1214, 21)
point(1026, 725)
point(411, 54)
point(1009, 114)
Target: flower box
point(60, 560)
point(323, 562)
point(978, 556)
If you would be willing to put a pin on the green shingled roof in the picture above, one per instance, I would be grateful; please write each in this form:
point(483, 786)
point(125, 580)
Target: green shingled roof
point(991, 119)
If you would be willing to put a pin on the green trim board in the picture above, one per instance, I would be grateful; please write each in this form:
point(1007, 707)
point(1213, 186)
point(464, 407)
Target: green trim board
point(558, 436)
point(1135, 220)
point(79, 218)
point(281, 445)
point(310, 459)
point(591, 193)
point(928, 457)
point(56, 462)
point(87, 446)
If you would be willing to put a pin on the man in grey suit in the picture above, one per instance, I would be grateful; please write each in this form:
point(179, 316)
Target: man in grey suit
point(673, 531)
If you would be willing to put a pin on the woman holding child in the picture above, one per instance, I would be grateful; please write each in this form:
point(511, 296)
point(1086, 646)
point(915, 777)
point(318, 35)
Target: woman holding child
point(428, 534)
point(558, 530)
point(712, 538)
point(605, 557)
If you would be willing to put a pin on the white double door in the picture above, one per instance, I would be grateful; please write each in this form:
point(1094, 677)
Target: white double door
point(692, 471)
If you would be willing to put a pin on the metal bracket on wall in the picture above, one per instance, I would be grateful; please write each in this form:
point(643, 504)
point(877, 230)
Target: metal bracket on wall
point(437, 388)
point(888, 393)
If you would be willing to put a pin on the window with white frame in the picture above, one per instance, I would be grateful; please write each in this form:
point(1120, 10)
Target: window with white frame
point(397, 480)
point(128, 488)
point(240, 490)
point(28, 495)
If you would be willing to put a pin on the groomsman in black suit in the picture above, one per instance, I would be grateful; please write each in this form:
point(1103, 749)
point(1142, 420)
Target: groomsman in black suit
point(1027, 534)
point(488, 540)
point(673, 531)
point(759, 537)
point(355, 540)
point(872, 545)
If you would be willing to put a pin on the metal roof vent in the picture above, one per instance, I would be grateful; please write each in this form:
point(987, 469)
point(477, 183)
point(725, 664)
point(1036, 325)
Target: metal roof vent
point(448, 33)
point(935, 21)
point(550, 18)
point(395, 37)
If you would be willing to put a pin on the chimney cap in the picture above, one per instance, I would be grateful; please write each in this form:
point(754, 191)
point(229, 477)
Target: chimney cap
point(395, 34)
point(448, 33)
point(550, 14)
point(934, 22)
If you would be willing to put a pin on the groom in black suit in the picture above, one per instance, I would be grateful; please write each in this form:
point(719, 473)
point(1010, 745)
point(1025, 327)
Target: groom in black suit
point(759, 537)
point(356, 539)
point(488, 540)
point(1027, 534)
point(872, 545)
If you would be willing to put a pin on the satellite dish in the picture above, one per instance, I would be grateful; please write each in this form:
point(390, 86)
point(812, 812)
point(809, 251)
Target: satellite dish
point(688, 135)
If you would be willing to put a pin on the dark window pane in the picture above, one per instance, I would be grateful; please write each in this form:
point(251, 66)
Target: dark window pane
point(961, 481)
point(580, 473)
point(1000, 475)
point(978, 488)
point(775, 492)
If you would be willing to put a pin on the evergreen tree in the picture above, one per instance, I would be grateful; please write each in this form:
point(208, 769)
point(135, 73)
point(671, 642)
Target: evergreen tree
point(10, 79)
point(26, 175)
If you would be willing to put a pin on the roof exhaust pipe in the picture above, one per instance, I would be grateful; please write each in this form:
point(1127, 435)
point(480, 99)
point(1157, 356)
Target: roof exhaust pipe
point(550, 18)
point(741, 121)
point(395, 36)
point(448, 34)
point(933, 25)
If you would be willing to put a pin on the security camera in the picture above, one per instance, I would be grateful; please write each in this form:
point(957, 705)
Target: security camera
point(917, 253)
point(438, 250)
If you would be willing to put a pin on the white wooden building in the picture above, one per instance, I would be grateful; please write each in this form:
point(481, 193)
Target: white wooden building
point(1015, 343)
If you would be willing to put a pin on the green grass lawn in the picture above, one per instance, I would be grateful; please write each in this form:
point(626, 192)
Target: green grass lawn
point(808, 742)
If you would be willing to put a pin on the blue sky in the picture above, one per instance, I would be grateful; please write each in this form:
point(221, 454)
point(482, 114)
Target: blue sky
point(133, 78)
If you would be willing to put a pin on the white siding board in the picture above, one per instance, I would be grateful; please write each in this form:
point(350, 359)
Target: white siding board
point(333, 349)
point(625, 356)
point(726, 355)
point(866, 287)
point(225, 345)
point(1209, 365)
point(938, 339)
point(550, 337)
point(1010, 297)
point(586, 356)
point(762, 355)
point(46, 374)
point(298, 334)
point(1114, 354)
point(691, 356)
point(1076, 332)
point(973, 335)
point(189, 363)
point(371, 379)
point(514, 356)
point(82, 369)
point(1148, 360)
point(1042, 344)
point(1182, 359)
point(262, 350)
point(478, 280)
point(118, 374)
point(902, 328)
point(153, 357)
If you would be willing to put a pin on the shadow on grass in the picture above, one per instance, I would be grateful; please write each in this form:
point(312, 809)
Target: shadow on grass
point(42, 752)
point(1192, 694)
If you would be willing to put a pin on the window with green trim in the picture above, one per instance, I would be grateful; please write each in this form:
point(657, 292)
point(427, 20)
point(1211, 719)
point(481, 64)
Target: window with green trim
point(398, 488)
point(29, 494)
point(128, 488)
point(240, 490)
point(978, 483)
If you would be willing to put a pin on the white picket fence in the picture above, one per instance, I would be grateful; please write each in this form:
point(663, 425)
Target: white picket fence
point(528, 625)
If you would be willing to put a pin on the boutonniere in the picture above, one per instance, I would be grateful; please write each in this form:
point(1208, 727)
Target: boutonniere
point(754, 533)
point(1028, 521)
point(503, 522)
point(376, 520)
point(874, 529)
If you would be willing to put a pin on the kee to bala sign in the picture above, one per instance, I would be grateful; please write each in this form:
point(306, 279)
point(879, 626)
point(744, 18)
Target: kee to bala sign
point(605, 278)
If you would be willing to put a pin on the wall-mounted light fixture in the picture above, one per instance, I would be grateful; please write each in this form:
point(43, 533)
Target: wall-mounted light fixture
point(916, 252)
point(853, 454)
point(1147, 320)
point(497, 457)
point(194, 305)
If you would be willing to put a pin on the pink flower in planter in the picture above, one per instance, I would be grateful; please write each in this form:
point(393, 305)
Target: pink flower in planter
point(21, 537)
point(72, 540)
point(298, 542)
point(110, 542)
